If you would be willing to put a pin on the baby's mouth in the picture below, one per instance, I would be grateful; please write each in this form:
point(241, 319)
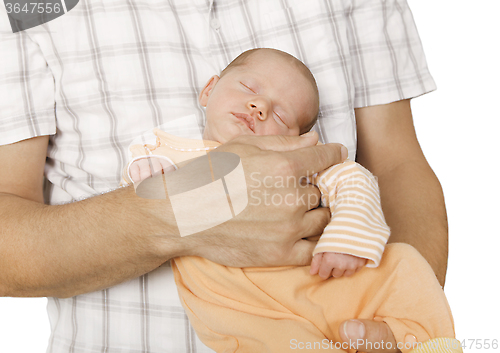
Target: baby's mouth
point(247, 119)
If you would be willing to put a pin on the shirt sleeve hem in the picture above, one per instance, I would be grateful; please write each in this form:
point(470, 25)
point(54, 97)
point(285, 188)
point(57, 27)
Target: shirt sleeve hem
point(394, 92)
point(21, 135)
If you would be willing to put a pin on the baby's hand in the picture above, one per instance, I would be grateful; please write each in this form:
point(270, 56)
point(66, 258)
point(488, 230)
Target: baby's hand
point(147, 167)
point(328, 264)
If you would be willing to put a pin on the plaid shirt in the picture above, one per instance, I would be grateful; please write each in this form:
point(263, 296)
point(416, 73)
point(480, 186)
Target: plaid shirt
point(105, 72)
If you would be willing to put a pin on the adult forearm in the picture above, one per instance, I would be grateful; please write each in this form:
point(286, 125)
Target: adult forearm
point(96, 243)
point(414, 208)
point(80, 247)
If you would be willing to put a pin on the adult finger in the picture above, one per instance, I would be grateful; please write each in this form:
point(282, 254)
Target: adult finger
point(370, 335)
point(301, 253)
point(278, 142)
point(313, 223)
point(308, 196)
point(309, 160)
point(303, 153)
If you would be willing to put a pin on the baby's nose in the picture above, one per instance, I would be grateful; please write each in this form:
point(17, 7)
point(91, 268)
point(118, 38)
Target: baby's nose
point(256, 112)
point(259, 110)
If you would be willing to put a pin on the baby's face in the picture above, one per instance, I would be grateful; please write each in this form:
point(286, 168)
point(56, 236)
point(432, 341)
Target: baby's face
point(266, 96)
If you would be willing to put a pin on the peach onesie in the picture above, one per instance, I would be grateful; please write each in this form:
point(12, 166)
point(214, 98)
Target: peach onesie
point(284, 309)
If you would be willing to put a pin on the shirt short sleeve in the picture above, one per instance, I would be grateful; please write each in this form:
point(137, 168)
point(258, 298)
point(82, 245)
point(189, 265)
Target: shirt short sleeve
point(388, 61)
point(27, 107)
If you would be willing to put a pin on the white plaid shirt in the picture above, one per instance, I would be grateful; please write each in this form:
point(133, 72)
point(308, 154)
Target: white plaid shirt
point(114, 69)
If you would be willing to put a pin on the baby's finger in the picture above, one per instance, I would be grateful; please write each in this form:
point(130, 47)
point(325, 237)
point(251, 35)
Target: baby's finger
point(166, 165)
point(362, 262)
point(349, 273)
point(156, 166)
point(134, 172)
point(145, 170)
point(338, 272)
point(316, 261)
point(325, 270)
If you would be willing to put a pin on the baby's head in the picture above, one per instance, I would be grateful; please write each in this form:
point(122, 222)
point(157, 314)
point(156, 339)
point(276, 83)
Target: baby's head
point(261, 92)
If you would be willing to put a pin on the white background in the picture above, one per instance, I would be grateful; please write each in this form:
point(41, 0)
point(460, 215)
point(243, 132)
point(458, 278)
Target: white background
point(458, 128)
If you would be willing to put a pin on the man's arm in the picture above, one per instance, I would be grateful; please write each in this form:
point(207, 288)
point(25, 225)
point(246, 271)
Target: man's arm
point(83, 246)
point(412, 198)
point(68, 249)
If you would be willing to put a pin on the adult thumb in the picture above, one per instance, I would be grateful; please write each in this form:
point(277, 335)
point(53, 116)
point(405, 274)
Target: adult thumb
point(369, 336)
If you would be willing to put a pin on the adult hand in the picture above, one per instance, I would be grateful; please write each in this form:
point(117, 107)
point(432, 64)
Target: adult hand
point(373, 336)
point(281, 210)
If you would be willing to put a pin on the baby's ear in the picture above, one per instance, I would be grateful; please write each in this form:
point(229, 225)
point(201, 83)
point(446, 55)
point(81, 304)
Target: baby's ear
point(205, 92)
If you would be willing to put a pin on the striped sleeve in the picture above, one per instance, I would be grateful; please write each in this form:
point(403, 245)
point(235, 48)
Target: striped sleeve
point(357, 226)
